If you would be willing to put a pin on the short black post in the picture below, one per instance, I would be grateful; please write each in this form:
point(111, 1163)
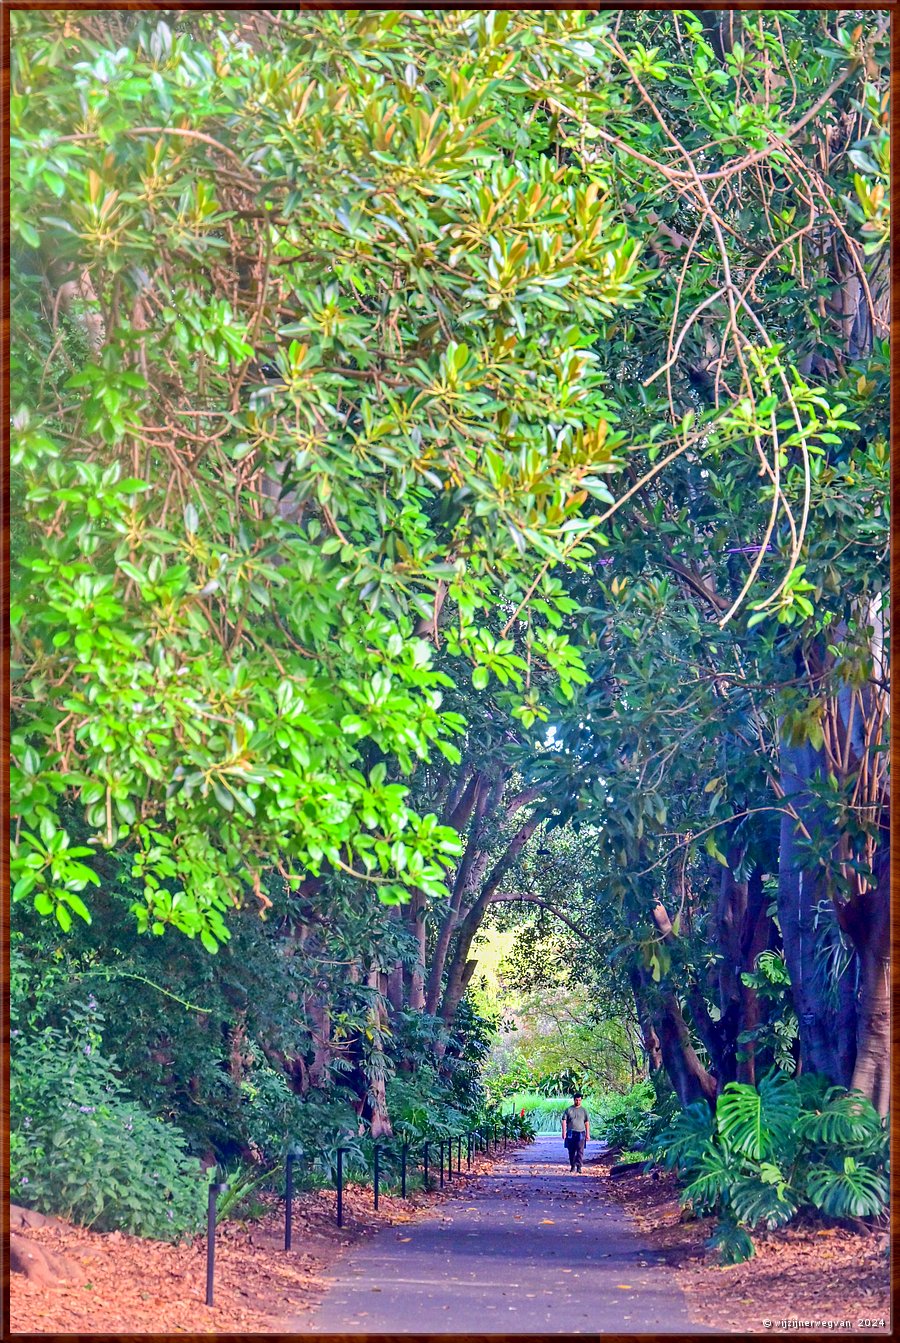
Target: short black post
point(403, 1171)
point(288, 1200)
point(425, 1167)
point(340, 1186)
point(377, 1172)
point(459, 1155)
point(214, 1191)
point(449, 1159)
point(468, 1151)
point(441, 1161)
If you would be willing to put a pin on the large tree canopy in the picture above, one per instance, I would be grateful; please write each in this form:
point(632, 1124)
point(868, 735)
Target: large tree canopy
point(450, 471)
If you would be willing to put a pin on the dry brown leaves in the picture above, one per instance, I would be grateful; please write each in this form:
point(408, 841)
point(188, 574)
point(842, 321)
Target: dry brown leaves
point(809, 1273)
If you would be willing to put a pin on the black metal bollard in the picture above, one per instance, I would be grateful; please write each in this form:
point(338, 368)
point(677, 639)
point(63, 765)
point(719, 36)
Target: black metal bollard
point(340, 1186)
point(403, 1171)
point(441, 1162)
point(425, 1167)
point(459, 1155)
point(288, 1200)
point(377, 1173)
point(468, 1151)
point(449, 1159)
point(214, 1191)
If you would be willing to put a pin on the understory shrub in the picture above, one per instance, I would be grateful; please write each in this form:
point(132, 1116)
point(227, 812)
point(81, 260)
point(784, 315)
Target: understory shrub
point(82, 1149)
point(627, 1120)
point(774, 1150)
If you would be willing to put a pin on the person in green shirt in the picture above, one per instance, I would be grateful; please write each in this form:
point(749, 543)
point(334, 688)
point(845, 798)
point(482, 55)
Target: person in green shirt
point(576, 1131)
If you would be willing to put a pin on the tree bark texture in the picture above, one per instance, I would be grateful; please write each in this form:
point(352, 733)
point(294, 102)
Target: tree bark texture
point(827, 1020)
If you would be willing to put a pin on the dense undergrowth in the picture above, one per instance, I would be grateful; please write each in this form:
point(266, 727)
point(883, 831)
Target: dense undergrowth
point(776, 1151)
point(765, 1155)
point(118, 1137)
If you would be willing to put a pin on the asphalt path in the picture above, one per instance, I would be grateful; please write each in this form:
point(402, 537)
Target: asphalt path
point(529, 1248)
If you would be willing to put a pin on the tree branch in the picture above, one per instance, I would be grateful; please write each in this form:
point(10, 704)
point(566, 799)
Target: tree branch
point(525, 897)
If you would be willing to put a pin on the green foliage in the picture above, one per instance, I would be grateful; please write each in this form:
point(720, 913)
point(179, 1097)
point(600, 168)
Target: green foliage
point(773, 1150)
point(776, 1033)
point(626, 1120)
point(238, 1202)
point(520, 1127)
point(423, 410)
point(758, 1122)
point(81, 1148)
point(621, 1120)
point(854, 1190)
point(244, 680)
point(733, 1243)
point(545, 1113)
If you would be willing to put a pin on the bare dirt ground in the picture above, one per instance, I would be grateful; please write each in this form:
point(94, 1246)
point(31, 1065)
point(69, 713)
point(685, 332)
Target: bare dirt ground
point(821, 1276)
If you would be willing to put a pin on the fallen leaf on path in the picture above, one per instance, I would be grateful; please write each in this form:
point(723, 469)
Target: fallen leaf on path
point(624, 1286)
point(547, 1221)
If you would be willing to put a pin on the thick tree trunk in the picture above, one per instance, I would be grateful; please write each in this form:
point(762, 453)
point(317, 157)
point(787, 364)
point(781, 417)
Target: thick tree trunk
point(718, 1037)
point(686, 1073)
point(321, 1032)
point(868, 924)
point(731, 910)
point(827, 1021)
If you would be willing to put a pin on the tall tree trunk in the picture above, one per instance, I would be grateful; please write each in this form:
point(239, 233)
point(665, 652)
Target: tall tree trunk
point(689, 1078)
point(731, 910)
point(754, 939)
point(469, 872)
point(718, 1037)
point(827, 1026)
point(686, 1073)
point(461, 968)
point(867, 921)
point(320, 1023)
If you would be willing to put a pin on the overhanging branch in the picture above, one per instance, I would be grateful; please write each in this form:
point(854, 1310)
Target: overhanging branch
point(523, 897)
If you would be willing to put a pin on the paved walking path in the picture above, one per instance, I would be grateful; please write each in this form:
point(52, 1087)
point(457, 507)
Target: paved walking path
point(529, 1248)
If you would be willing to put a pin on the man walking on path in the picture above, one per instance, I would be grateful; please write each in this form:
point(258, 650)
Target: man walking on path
point(576, 1121)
